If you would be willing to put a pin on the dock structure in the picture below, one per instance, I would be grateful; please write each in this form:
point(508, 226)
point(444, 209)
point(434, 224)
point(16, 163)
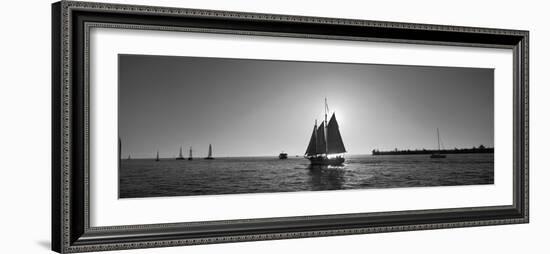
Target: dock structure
point(479, 149)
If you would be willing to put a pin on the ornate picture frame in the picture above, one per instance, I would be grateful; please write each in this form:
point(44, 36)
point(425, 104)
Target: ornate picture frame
point(71, 229)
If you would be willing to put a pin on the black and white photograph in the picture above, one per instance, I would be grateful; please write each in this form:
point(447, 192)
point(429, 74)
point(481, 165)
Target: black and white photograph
point(228, 127)
point(208, 126)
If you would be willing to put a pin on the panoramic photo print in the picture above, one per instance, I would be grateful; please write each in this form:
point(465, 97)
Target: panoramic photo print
point(207, 126)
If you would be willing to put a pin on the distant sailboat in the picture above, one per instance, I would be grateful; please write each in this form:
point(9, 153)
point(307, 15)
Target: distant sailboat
point(438, 155)
point(157, 159)
point(119, 153)
point(190, 153)
point(180, 156)
point(129, 157)
point(209, 157)
point(283, 156)
point(326, 141)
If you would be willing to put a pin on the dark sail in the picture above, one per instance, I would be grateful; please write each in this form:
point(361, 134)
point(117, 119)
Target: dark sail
point(312, 143)
point(209, 157)
point(180, 156)
point(326, 140)
point(321, 141)
point(334, 139)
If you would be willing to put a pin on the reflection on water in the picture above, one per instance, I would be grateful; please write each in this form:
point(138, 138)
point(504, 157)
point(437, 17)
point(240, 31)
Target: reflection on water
point(322, 177)
point(147, 178)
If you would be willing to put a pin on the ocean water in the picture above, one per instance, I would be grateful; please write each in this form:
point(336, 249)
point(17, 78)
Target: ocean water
point(169, 177)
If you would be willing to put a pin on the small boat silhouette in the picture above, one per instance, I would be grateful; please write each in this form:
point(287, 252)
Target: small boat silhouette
point(438, 155)
point(180, 156)
point(209, 157)
point(190, 154)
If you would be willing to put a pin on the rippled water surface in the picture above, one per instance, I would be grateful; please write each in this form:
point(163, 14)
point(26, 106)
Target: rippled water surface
point(168, 177)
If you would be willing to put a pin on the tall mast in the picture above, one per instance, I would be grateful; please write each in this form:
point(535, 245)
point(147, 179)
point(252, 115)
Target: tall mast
point(190, 152)
point(315, 131)
point(325, 129)
point(438, 144)
point(210, 150)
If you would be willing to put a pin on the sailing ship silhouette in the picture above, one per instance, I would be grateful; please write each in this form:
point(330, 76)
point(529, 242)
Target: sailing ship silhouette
point(438, 155)
point(180, 156)
point(325, 145)
point(209, 157)
point(157, 159)
point(190, 154)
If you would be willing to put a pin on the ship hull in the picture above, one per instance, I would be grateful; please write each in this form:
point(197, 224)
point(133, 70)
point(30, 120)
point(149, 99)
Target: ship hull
point(326, 161)
point(180, 158)
point(209, 158)
point(438, 156)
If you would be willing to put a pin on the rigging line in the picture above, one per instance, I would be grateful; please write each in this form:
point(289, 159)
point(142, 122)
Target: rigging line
point(327, 109)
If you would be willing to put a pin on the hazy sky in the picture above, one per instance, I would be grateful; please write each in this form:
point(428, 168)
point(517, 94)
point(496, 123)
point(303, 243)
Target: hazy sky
point(258, 107)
